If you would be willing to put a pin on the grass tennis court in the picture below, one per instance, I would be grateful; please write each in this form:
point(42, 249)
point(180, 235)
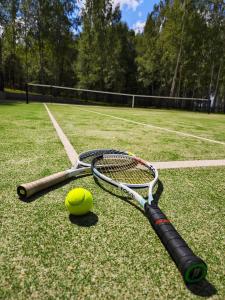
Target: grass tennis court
point(113, 253)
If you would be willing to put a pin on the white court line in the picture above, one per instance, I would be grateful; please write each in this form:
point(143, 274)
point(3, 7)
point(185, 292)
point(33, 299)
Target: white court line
point(188, 164)
point(158, 165)
point(156, 127)
point(70, 151)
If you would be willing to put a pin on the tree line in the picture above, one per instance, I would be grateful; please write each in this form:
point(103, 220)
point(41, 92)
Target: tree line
point(180, 52)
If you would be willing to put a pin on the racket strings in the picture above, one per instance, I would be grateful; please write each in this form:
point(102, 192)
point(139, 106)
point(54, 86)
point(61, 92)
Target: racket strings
point(88, 156)
point(124, 169)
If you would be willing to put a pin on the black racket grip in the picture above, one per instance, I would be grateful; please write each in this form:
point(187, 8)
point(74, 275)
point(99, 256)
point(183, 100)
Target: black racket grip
point(192, 268)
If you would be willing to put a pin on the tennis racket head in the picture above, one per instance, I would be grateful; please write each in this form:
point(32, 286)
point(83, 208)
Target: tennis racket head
point(85, 158)
point(124, 169)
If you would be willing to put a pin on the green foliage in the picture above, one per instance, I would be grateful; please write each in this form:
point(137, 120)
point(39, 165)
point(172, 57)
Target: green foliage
point(4, 18)
point(39, 34)
point(14, 70)
point(106, 49)
point(180, 53)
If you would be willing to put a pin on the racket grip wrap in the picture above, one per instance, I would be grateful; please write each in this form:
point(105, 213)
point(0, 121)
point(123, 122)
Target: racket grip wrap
point(192, 268)
point(26, 190)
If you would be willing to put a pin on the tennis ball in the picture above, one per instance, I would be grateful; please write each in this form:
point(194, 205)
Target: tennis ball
point(79, 201)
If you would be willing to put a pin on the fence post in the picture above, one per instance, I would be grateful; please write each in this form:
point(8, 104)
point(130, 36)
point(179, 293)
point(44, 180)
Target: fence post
point(209, 105)
point(133, 101)
point(26, 89)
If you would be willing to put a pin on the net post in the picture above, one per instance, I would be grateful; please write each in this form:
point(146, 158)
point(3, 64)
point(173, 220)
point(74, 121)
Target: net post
point(133, 97)
point(26, 89)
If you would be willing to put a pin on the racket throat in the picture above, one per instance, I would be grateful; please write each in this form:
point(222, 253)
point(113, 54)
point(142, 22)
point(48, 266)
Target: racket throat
point(134, 195)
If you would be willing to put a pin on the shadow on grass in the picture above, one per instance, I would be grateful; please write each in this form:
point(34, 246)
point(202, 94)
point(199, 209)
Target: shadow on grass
point(158, 192)
point(87, 220)
point(203, 289)
point(50, 189)
point(115, 192)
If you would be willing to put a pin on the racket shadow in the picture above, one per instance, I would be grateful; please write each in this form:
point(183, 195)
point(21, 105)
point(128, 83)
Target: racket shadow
point(203, 289)
point(114, 192)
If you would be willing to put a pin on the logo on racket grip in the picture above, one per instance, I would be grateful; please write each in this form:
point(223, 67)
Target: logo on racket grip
point(162, 221)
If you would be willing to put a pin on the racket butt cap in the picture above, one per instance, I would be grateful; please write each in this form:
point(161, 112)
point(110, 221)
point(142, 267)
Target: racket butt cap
point(193, 269)
point(21, 191)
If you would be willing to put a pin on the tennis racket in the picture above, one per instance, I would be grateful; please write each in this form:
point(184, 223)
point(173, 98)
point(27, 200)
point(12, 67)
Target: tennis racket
point(82, 167)
point(128, 172)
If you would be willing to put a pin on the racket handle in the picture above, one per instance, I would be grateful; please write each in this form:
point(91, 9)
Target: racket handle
point(192, 268)
point(28, 189)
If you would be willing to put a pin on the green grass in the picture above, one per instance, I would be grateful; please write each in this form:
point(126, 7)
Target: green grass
point(47, 255)
point(94, 130)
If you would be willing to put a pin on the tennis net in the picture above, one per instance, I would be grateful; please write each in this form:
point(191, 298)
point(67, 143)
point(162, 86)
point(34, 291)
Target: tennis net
point(61, 94)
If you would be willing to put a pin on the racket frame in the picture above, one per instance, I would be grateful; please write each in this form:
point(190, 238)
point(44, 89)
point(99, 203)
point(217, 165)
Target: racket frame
point(26, 190)
point(128, 187)
point(192, 268)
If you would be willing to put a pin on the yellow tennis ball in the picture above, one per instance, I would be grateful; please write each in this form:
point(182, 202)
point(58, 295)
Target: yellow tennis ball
point(79, 201)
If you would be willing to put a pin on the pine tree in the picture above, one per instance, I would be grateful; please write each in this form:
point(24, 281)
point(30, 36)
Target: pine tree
point(106, 51)
point(4, 18)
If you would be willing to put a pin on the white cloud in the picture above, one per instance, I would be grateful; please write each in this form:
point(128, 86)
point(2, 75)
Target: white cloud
point(138, 27)
point(130, 4)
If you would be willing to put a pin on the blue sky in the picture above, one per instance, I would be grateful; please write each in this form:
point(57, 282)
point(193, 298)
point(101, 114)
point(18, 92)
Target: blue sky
point(134, 12)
